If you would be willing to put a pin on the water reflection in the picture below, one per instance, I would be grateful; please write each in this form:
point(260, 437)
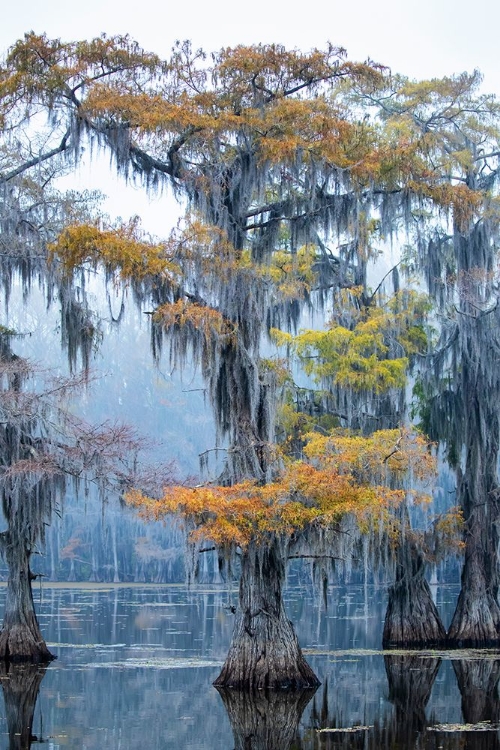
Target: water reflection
point(411, 725)
point(265, 720)
point(478, 683)
point(410, 680)
point(20, 686)
point(135, 667)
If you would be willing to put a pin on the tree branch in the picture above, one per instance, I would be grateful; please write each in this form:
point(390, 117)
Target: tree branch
point(37, 159)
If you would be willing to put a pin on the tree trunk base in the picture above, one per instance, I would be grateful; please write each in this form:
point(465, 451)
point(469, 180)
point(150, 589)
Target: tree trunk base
point(412, 619)
point(239, 674)
point(18, 644)
point(476, 622)
point(267, 657)
point(264, 653)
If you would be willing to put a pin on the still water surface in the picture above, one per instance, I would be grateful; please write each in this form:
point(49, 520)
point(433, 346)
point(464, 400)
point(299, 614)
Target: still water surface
point(135, 665)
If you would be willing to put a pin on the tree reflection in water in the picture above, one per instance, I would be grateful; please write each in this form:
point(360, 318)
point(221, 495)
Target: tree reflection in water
point(410, 681)
point(129, 669)
point(478, 683)
point(265, 720)
point(21, 684)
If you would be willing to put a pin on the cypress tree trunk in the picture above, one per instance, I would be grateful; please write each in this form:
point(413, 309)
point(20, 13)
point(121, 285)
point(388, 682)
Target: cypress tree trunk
point(476, 621)
point(20, 637)
point(411, 619)
point(20, 685)
point(264, 651)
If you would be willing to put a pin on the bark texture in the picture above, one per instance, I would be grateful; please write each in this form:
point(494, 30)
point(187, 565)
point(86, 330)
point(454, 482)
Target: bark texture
point(20, 685)
point(20, 637)
point(476, 621)
point(412, 619)
point(264, 720)
point(264, 651)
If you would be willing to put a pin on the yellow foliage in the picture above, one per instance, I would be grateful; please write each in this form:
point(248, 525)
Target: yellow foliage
point(358, 357)
point(383, 457)
point(206, 320)
point(119, 249)
point(450, 528)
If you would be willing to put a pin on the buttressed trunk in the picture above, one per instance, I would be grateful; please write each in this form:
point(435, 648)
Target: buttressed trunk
point(412, 619)
point(476, 621)
point(264, 651)
point(20, 637)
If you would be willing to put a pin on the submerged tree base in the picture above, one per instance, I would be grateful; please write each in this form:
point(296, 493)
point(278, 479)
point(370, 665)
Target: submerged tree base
point(21, 639)
point(476, 622)
point(473, 643)
point(412, 619)
point(242, 671)
point(264, 653)
point(18, 645)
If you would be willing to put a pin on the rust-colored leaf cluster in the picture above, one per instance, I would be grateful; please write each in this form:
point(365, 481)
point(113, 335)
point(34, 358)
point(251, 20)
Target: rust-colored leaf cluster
point(345, 475)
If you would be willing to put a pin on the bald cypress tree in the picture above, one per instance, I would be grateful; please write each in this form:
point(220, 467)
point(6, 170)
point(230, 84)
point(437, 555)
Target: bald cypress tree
point(279, 158)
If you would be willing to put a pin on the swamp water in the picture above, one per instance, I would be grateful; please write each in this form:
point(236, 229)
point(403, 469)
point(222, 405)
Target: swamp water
point(135, 665)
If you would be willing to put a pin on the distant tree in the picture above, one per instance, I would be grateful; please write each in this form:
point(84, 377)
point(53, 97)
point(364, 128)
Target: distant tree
point(360, 364)
point(43, 446)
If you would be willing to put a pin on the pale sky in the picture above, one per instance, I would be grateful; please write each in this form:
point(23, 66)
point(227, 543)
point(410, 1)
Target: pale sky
point(419, 38)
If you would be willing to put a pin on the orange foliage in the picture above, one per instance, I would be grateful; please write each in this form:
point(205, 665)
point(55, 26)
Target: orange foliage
point(346, 479)
point(385, 457)
point(70, 551)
